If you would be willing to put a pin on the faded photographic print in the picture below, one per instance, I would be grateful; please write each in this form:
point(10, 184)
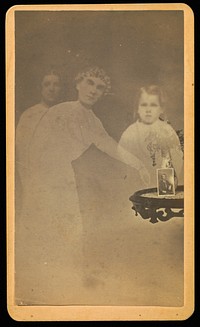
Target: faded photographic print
point(98, 115)
point(166, 182)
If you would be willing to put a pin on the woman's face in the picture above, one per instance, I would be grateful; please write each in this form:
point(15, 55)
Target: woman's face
point(90, 90)
point(149, 108)
point(50, 89)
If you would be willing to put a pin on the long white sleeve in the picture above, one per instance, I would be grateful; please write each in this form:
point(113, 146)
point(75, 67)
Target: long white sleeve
point(108, 145)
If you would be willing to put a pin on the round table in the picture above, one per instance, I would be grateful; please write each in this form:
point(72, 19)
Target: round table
point(149, 205)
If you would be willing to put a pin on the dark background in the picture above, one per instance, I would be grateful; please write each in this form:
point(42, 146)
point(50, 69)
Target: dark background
point(135, 48)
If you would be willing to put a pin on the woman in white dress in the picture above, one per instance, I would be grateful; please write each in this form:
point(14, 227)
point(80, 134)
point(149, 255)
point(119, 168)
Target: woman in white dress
point(50, 228)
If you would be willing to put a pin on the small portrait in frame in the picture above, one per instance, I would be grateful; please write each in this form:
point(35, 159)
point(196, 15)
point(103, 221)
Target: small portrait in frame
point(165, 178)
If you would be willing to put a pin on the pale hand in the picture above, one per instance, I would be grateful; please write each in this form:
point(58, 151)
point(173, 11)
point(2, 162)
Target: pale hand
point(144, 174)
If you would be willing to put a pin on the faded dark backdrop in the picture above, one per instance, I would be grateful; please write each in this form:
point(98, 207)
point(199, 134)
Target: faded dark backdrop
point(135, 47)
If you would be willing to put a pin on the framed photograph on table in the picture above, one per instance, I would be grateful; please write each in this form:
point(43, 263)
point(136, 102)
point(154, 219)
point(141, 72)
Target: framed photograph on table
point(166, 183)
point(85, 110)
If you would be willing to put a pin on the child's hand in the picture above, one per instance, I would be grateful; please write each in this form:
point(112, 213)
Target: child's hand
point(144, 174)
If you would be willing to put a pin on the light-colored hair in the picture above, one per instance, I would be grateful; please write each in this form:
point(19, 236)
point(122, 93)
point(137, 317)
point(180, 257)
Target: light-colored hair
point(95, 72)
point(151, 89)
point(154, 90)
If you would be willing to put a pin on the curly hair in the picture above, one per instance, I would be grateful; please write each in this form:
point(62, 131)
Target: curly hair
point(95, 72)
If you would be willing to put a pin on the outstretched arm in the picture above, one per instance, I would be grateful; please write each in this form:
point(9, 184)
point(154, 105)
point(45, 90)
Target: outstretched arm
point(108, 145)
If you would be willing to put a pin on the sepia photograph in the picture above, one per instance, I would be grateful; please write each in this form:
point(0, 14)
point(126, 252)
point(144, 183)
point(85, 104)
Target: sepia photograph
point(166, 182)
point(99, 118)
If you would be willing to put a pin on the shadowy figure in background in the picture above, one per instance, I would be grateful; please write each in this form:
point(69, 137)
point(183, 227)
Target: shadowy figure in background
point(150, 138)
point(50, 93)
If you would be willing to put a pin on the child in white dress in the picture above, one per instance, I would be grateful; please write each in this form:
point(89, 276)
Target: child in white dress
point(152, 139)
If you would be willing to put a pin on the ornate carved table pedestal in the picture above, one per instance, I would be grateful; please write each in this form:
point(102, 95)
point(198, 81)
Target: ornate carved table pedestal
point(149, 205)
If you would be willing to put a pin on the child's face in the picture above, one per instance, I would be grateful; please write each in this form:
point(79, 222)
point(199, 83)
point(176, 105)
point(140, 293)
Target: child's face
point(149, 108)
